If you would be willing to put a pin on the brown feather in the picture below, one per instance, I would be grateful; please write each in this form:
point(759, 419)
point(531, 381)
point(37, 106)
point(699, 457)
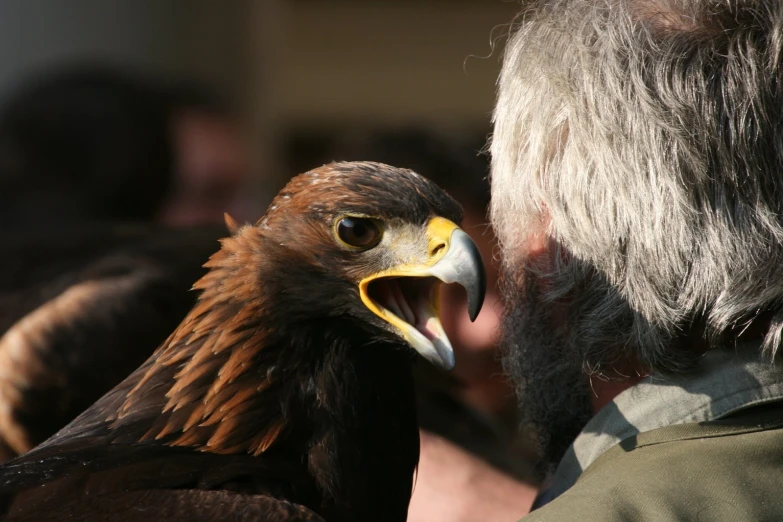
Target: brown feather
point(173, 422)
point(197, 374)
point(193, 438)
point(231, 224)
point(197, 415)
point(225, 428)
point(265, 439)
point(237, 364)
point(230, 398)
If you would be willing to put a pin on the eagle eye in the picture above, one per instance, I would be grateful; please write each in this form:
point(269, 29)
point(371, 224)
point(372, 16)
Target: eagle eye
point(356, 232)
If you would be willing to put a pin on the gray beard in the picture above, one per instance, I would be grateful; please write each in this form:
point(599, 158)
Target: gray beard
point(547, 369)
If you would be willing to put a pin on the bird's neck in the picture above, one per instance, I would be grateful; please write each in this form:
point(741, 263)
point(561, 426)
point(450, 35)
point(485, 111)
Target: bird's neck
point(365, 443)
point(342, 408)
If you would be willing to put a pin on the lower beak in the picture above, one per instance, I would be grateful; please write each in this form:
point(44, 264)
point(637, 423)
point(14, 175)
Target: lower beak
point(407, 297)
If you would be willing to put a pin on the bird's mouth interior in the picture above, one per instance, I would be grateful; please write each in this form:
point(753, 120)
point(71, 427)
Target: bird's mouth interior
point(412, 300)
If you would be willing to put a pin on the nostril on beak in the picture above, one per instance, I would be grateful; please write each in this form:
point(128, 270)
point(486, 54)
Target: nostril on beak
point(435, 250)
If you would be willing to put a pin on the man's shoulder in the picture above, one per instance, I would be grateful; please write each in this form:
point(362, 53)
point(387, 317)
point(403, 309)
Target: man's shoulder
point(730, 469)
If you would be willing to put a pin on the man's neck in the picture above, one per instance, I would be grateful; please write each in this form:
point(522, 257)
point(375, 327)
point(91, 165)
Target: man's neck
point(605, 389)
point(604, 392)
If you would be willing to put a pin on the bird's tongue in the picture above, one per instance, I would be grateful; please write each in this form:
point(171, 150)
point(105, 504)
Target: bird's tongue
point(409, 299)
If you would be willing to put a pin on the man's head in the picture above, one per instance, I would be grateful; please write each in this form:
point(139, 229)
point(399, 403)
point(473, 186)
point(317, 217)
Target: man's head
point(637, 185)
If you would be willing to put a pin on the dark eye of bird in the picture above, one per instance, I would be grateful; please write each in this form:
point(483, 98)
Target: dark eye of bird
point(359, 232)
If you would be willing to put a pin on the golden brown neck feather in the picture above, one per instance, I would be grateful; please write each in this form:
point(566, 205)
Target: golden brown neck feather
point(205, 377)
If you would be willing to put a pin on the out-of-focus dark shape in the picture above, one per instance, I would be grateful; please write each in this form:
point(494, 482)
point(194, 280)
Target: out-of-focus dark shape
point(83, 144)
point(90, 143)
point(453, 161)
point(474, 406)
point(80, 309)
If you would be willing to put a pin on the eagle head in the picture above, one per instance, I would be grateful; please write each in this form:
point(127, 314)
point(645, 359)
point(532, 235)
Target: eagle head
point(371, 244)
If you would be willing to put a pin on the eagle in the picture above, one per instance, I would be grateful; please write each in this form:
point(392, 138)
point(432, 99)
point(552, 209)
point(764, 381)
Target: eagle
point(287, 391)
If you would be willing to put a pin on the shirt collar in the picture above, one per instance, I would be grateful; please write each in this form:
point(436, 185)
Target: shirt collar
point(725, 382)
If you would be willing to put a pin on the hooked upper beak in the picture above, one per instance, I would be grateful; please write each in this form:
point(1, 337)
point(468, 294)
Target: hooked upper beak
point(407, 296)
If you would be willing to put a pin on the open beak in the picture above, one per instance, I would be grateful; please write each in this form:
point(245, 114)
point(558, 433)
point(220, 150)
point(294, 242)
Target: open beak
point(408, 296)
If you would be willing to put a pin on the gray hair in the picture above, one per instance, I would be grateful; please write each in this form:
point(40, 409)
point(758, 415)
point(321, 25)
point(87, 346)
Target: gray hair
point(650, 135)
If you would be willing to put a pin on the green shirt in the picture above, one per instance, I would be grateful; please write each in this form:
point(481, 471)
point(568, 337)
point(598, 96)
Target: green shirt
point(704, 446)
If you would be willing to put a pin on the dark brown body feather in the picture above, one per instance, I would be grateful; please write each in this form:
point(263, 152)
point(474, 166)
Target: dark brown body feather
point(279, 384)
point(179, 506)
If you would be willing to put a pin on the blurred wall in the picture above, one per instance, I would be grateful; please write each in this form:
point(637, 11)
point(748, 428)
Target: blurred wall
point(389, 61)
point(349, 64)
point(217, 43)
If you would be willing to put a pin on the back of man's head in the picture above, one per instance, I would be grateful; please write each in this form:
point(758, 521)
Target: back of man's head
point(647, 136)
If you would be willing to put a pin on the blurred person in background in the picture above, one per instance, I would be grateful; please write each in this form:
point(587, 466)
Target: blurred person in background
point(81, 145)
point(212, 160)
point(91, 143)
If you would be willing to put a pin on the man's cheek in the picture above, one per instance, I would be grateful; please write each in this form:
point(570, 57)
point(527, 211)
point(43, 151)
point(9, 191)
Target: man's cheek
point(541, 261)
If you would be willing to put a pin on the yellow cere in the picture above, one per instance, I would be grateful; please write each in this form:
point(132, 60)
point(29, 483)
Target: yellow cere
point(439, 236)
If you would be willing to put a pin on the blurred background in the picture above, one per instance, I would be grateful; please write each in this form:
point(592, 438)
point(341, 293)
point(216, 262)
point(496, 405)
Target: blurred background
point(292, 70)
point(174, 111)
